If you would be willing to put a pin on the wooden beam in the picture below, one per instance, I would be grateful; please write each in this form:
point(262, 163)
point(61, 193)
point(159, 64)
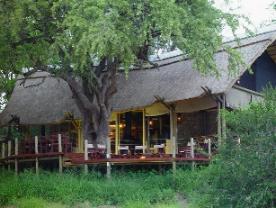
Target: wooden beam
point(192, 152)
point(36, 152)
point(173, 132)
point(219, 123)
point(209, 148)
point(9, 153)
point(85, 155)
point(3, 150)
point(60, 160)
point(223, 122)
point(108, 156)
point(80, 140)
point(144, 132)
point(117, 133)
point(16, 153)
point(161, 100)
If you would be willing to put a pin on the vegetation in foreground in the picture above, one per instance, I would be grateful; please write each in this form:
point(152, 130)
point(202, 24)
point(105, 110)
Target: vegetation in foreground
point(242, 175)
point(70, 189)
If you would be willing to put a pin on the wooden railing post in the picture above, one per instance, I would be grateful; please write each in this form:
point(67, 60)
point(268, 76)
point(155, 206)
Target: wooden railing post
point(117, 133)
point(209, 148)
point(3, 150)
point(16, 154)
point(3, 153)
point(192, 152)
point(108, 156)
point(60, 165)
point(85, 156)
point(192, 148)
point(36, 158)
point(9, 154)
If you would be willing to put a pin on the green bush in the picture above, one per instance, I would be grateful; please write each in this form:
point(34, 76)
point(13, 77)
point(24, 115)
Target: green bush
point(242, 175)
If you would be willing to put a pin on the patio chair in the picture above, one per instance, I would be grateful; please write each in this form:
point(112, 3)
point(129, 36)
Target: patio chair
point(159, 148)
point(96, 153)
point(185, 151)
point(138, 149)
point(124, 150)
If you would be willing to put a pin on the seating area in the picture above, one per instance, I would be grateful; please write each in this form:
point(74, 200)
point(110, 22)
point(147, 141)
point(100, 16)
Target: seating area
point(156, 151)
point(46, 145)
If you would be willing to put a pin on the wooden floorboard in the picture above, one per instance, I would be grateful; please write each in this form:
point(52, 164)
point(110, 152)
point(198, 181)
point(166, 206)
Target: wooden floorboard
point(74, 159)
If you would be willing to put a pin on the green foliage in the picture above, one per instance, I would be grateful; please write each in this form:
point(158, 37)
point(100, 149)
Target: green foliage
point(80, 33)
point(71, 189)
point(242, 175)
point(35, 203)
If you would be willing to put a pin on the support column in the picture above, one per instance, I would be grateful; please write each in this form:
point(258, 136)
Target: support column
point(3, 150)
point(16, 154)
point(192, 152)
point(85, 156)
point(117, 133)
point(219, 123)
point(144, 131)
point(9, 154)
point(209, 148)
point(108, 156)
point(223, 122)
point(173, 131)
point(3, 153)
point(80, 146)
point(60, 160)
point(36, 158)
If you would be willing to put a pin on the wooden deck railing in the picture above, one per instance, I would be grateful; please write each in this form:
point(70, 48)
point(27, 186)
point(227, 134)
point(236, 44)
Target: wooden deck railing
point(35, 148)
point(59, 147)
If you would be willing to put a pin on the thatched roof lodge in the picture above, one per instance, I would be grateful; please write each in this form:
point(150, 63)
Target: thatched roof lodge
point(44, 99)
point(139, 118)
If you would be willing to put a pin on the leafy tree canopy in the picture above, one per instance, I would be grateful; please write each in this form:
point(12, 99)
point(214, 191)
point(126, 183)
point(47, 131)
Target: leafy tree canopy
point(93, 38)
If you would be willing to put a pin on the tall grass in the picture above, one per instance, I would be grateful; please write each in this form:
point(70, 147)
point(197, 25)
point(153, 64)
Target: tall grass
point(70, 188)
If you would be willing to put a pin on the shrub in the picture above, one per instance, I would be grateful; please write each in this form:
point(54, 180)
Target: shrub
point(243, 175)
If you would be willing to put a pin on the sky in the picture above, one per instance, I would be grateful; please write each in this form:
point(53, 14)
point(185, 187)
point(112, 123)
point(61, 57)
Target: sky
point(259, 12)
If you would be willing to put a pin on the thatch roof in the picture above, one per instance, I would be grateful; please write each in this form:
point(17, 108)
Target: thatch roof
point(176, 80)
point(43, 99)
point(40, 99)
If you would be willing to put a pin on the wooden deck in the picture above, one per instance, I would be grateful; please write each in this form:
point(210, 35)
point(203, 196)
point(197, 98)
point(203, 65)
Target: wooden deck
point(76, 159)
point(73, 159)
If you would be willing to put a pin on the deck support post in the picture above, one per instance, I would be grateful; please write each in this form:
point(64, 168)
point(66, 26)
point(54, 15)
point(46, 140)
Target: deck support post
point(9, 154)
point(3, 152)
point(209, 148)
point(221, 106)
point(223, 127)
point(173, 130)
point(117, 133)
point(16, 154)
point(60, 160)
point(144, 131)
point(85, 156)
point(219, 123)
point(80, 146)
point(36, 158)
point(108, 156)
point(192, 152)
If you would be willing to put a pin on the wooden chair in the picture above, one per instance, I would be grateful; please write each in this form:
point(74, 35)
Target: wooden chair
point(185, 151)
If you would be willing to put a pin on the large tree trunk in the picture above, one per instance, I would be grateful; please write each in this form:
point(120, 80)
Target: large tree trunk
point(93, 101)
